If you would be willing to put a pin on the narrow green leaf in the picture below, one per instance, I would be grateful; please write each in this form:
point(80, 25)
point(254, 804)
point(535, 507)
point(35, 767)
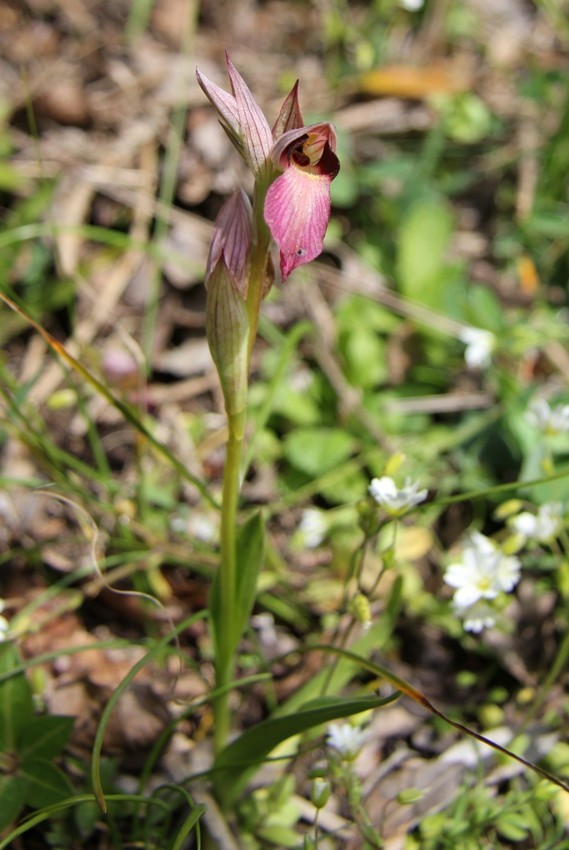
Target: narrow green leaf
point(191, 821)
point(125, 409)
point(48, 812)
point(16, 704)
point(250, 547)
point(236, 760)
point(46, 783)
point(250, 551)
point(336, 674)
point(45, 737)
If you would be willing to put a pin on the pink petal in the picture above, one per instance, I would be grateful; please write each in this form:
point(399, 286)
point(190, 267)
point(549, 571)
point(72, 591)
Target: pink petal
point(232, 237)
point(297, 211)
point(221, 100)
point(290, 117)
point(256, 134)
point(241, 118)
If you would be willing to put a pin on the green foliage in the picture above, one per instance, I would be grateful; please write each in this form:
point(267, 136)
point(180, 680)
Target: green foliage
point(316, 451)
point(477, 819)
point(236, 760)
point(434, 225)
point(28, 745)
point(250, 551)
point(423, 272)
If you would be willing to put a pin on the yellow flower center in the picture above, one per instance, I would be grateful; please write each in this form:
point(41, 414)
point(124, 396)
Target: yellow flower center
point(309, 152)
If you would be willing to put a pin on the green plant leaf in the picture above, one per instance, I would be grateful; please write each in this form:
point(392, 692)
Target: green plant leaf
point(191, 821)
point(12, 798)
point(46, 783)
point(16, 704)
point(250, 547)
point(424, 237)
point(45, 737)
point(334, 679)
point(236, 761)
point(315, 451)
point(250, 551)
point(483, 309)
point(158, 647)
point(280, 836)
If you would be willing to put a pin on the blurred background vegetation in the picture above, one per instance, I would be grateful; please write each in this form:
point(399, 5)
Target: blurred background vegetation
point(435, 317)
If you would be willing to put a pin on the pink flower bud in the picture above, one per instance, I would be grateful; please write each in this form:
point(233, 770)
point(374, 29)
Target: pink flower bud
point(241, 118)
point(290, 117)
point(232, 237)
point(227, 328)
point(227, 323)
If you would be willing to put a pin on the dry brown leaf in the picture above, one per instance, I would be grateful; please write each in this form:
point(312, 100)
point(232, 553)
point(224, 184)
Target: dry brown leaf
point(415, 83)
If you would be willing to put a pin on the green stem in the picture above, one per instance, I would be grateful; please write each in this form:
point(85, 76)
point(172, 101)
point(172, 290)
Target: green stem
point(227, 638)
point(228, 578)
point(259, 252)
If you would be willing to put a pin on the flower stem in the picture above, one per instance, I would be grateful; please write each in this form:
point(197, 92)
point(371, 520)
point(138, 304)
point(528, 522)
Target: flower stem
point(259, 253)
point(225, 661)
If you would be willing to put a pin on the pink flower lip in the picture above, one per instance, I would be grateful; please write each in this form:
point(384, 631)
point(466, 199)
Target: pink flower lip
point(297, 205)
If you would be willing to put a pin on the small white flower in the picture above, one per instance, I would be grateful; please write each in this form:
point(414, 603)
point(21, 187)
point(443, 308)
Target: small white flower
point(479, 347)
point(4, 628)
point(265, 625)
point(543, 526)
point(4, 624)
point(477, 617)
point(550, 420)
point(313, 527)
point(384, 491)
point(202, 526)
point(346, 739)
point(412, 5)
point(483, 572)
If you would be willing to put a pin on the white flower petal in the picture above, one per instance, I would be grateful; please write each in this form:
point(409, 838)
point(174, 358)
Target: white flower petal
point(550, 420)
point(483, 572)
point(346, 739)
point(479, 347)
point(385, 492)
point(313, 527)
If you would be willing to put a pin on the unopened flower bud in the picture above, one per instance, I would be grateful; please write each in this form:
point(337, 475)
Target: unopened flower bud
point(232, 238)
point(241, 118)
point(360, 610)
point(227, 323)
point(320, 792)
point(227, 328)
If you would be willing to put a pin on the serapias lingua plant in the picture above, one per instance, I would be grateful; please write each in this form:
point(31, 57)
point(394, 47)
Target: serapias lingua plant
point(293, 166)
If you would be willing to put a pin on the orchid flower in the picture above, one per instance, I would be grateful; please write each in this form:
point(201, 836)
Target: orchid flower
point(297, 206)
point(297, 203)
